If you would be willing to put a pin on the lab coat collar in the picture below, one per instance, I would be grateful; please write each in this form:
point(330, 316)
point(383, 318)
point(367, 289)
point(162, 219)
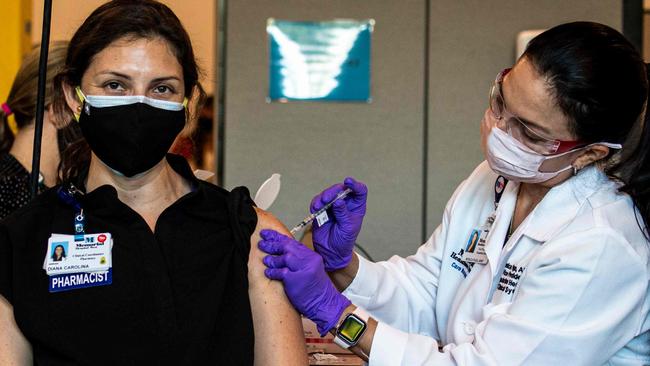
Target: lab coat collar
point(562, 202)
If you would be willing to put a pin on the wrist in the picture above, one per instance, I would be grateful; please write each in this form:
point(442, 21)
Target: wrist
point(332, 313)
point(351, 330)
point(348, 310)
point(337, 264)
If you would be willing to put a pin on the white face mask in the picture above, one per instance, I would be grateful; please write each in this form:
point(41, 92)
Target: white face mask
point(102, 101)
point(515, 161)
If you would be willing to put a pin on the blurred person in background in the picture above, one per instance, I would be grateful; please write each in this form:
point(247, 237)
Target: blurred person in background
point(18, 114)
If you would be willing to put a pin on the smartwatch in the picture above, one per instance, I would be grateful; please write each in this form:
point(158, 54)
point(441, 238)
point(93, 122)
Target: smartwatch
point(351, 328)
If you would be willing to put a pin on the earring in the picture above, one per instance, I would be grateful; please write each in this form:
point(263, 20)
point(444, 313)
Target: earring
point(79, 108)
point(575, 169)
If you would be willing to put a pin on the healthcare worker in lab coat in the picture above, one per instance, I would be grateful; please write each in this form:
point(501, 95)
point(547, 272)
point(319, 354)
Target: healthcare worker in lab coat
point(542, 255)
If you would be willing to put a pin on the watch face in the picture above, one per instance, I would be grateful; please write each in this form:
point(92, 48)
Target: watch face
point(351, 329)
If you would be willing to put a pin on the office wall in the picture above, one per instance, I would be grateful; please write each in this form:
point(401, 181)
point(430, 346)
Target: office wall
point(315, 144)
point(471, 41)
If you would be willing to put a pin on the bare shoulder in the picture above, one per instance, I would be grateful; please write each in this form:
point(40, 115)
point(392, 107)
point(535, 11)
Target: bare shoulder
point(266, 220)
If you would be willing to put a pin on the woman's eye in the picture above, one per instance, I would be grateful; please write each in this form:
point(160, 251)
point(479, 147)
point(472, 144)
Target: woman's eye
point(113, 85)
point(162, 89)
point(528, 134)
point(532, 137)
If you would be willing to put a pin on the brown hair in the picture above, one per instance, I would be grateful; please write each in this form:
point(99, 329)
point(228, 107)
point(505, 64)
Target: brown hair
point(110, 22)
point(22, 96)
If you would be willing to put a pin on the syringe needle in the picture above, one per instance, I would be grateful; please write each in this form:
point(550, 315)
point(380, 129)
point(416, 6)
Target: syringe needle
point(311, 217)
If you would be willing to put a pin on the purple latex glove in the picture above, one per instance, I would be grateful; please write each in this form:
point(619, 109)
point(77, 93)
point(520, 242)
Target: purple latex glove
point(335, 239)
point(306, 284)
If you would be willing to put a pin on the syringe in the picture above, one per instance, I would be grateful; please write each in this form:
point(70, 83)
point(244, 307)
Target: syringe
point(311, 217)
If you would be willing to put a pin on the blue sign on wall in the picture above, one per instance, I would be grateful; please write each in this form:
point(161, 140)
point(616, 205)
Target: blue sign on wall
point(316, 61)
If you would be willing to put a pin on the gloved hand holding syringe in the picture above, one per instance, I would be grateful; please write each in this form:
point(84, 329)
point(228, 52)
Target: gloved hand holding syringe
point(320, 215)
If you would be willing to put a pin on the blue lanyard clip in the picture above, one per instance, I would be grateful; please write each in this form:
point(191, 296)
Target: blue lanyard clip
point(79, 221)
point(68, 197)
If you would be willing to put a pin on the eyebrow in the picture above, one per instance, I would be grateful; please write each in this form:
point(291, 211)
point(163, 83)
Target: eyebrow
point(535, 125)
point(127, 77)
point(530, 124)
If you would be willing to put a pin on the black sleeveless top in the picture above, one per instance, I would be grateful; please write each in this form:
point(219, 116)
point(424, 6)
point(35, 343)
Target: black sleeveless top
point(179, 296)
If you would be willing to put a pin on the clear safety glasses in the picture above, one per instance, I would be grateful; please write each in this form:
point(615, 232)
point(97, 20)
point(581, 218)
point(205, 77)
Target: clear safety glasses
point(516, 128)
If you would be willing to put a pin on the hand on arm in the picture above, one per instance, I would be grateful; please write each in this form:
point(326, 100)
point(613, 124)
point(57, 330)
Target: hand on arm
point(279, 338)
point(307, 285)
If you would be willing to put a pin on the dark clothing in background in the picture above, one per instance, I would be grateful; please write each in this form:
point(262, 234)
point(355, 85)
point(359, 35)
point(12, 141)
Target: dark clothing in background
point(14, 185)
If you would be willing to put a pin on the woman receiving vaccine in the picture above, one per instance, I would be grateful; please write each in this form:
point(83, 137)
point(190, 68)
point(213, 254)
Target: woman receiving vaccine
point(159, 268)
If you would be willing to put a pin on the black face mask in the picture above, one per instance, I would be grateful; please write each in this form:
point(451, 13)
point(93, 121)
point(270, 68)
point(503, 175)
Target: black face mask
point(132, 138)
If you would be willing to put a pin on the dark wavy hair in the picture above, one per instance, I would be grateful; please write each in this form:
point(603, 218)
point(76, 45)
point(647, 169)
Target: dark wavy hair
point(600, 82)
point(110, 22)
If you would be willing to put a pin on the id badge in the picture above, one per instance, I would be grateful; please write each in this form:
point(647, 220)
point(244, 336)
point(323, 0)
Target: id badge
point(475, 248)
point(78, 261)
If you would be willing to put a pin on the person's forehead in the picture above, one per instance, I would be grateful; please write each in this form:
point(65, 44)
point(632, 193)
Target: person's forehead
point(529, 96)
point(137, 56)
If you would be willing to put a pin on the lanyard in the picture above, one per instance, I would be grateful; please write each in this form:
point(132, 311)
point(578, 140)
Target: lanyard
point(67, 196)
point(475, 250)
point(499, 188)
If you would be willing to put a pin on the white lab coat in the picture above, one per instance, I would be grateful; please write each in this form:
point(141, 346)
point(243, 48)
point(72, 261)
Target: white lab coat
point(570, 287)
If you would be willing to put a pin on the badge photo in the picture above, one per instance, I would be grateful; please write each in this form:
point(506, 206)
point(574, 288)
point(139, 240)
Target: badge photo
point(59, 250)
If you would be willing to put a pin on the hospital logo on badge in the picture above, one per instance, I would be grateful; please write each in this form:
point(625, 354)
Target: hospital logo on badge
point(499, 185)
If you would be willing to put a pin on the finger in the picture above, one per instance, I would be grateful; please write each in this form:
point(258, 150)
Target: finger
point(275, 261)
point(340, 211)
point(269, 234)
point(308, 262)
point(271, 246)
point(325, 197)
point(276, 273)
point(358, 188)
point(359, 191)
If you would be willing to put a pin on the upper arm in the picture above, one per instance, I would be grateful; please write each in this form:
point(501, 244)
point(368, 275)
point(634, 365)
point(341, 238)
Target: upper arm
point(279, 338)
point(14, 348)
